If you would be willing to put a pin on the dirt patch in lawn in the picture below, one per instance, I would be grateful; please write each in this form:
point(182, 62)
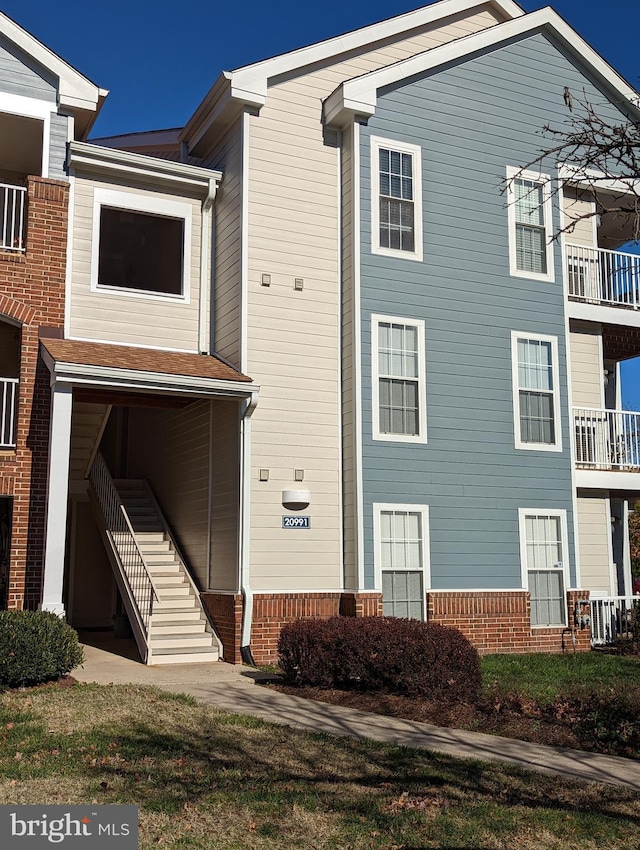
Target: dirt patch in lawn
point(561, 724)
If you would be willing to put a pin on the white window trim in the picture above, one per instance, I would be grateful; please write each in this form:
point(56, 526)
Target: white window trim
point(143, 204)
point(523, 513)
point(421, 436)
point(545, 180)
point(423, 510)
point(28, 107)
point(515, 382)
point(416, 153)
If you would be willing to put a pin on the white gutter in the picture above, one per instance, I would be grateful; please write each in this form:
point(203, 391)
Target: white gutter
point(245, 525)
point(205, 231)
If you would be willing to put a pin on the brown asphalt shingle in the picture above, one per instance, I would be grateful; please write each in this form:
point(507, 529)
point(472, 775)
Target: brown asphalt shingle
point(142, 359)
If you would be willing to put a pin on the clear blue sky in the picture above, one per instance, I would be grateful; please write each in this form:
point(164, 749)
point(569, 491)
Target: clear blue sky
point(158, 59)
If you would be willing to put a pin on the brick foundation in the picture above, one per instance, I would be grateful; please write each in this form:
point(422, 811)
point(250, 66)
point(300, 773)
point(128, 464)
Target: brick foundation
point(32, 292)
point(501, 622)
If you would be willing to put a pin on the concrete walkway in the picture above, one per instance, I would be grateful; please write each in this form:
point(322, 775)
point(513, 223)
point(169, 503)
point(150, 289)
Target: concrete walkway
point(235, 689)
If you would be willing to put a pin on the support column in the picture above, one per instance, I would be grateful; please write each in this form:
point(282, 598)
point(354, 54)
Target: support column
point(57, 498)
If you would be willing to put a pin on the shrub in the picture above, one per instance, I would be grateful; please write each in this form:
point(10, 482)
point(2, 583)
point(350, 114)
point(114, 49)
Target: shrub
point(387, 654)
point(35, 647)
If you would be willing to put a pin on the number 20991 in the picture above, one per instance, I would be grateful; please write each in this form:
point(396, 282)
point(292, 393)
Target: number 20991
point(296, 522)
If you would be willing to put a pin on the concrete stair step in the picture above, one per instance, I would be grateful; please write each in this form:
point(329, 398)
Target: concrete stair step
point(150, 537)
point(171, 614)
point(188, 656)
point(178, 627)
point(175, 591)
point(173, 580)
point(180, 641)
point(165, 569)
point(159, 558)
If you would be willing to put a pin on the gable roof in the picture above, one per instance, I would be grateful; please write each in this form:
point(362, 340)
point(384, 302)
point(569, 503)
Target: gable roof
point(75, 91)
point(358, 96)
point(247, 86)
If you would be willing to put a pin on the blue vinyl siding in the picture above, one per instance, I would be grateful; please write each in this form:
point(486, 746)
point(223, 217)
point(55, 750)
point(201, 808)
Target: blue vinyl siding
point(472, 120)
point(19, 74)
point(58, 146)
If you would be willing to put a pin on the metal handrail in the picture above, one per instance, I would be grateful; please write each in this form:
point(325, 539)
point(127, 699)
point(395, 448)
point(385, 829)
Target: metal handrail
point(611, 618)
point(12, 217)
point(134, 568)
point(607, 439)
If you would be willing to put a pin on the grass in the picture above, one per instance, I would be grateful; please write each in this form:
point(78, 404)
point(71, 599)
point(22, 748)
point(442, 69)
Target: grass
point(545, 677)
point(205, 779)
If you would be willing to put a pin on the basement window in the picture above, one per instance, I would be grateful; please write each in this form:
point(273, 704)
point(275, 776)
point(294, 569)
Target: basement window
point(141, 245)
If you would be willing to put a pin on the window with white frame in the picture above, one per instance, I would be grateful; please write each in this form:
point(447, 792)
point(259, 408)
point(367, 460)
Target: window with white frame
point(396, 199)
point(398, 381)
point(529, 206)
point(544, 556)
point(402, 558)
point(141, 245)
point(536, 400)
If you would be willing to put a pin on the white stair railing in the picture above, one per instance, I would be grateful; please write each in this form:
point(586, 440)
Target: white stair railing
point(600, 276)
point(12, 217)
point(611, 618)
point(8, 395)
point(607, 439)
point(134, 570)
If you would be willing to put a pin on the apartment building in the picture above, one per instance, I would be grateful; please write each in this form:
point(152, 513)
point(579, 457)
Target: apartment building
point(319, 353)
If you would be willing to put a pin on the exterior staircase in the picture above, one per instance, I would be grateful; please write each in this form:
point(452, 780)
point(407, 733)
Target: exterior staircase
point(179, 630)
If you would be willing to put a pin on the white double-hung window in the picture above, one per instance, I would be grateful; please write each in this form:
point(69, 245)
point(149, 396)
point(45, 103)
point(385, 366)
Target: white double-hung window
point(401, 537)
point(544, 556)
point(398, 379)
point(536, 399)
point(396, 199)
point(529, 208)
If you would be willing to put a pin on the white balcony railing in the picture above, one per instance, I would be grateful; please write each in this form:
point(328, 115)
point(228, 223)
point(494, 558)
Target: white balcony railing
point(611, 618)
point(599, 276)
point(8, 397)
point(12, 217)
point(607, 439)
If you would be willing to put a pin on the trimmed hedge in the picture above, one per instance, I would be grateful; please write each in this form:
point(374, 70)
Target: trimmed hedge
point(35, 647)
point(385, 654)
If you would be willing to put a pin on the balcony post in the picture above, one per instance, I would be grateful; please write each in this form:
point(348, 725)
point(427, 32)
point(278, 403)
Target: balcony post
point(57, 496)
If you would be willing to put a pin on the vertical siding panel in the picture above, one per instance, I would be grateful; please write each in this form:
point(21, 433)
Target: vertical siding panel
point(586, 365)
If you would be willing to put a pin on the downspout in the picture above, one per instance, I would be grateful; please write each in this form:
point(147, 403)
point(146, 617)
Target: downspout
point(246, 411)
point(205, 230)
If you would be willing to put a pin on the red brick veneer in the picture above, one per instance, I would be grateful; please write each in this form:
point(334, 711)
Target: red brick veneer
point(500, 622)
point(32, 292)
point(225, 612)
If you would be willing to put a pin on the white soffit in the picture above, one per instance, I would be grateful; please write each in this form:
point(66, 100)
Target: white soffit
point(358, 96)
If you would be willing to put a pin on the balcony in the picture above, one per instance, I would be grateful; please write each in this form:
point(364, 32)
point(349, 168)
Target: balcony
point(602, 277)
point(8, 400)
point(12, 217)
point(609, 441)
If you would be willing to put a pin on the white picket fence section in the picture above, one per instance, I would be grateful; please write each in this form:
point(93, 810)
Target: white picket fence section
point(12, 217)
point(611, 618)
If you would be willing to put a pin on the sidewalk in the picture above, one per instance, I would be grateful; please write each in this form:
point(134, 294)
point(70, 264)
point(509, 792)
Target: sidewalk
point(234, 689)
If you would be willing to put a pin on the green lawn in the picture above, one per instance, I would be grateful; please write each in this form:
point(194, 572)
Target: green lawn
point(205, 779)
point(545, 677)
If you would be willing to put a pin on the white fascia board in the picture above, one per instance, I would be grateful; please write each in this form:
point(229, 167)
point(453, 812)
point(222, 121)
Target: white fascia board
point(594, 179)
point(598, 479)
point(254, 77)
point(364, 89)
point(96, 158)
point(338, 110)
point(603, 314)
point(75, 90)
point(135, 380)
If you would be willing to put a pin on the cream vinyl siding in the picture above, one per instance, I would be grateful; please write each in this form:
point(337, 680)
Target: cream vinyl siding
point(586, 366)
point(125, 318)
point(594, 532)
point(294, 337)
point(576, 205)
point(227, 157)
point(170, 448)
point(225, 496)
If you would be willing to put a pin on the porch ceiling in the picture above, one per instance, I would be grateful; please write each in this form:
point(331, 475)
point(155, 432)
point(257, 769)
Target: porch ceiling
point(620, 342)
point(127, 368)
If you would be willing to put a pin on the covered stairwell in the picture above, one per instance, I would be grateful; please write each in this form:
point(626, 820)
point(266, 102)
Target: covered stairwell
point(162, 602)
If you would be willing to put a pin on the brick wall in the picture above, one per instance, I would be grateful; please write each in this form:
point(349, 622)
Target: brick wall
point(501, 622)
point(32, 292)
point(225, 612)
